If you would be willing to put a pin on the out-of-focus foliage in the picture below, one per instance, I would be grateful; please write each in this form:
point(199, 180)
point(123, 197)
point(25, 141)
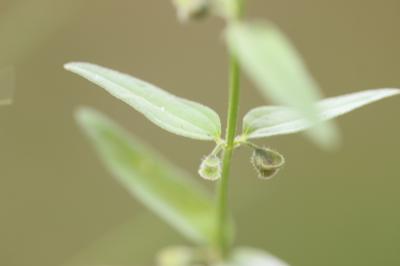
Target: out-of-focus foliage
point(166, 190)
point(273, 63)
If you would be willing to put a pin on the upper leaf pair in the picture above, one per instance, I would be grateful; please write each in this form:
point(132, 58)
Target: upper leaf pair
point(275, 66)
point(193, 120)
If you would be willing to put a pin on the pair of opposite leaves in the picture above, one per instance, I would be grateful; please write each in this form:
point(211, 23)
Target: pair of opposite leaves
point(193, 120)
point(271, 61)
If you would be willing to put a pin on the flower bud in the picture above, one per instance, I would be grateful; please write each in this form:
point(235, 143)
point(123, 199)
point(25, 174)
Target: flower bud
point(192, 9)
point(210, 167)
point(267, 162)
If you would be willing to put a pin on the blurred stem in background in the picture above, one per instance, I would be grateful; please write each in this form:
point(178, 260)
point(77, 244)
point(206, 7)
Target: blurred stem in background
point(24, 25)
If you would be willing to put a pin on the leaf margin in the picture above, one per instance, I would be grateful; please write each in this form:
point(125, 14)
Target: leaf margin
point(84, 117)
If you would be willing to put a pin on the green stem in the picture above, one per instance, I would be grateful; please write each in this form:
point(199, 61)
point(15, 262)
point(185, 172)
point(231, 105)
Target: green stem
point(222, 207)
point(223, 240)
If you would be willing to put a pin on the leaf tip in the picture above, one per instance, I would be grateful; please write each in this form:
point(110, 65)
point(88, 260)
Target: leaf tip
point(75, 66)
point(69, 66)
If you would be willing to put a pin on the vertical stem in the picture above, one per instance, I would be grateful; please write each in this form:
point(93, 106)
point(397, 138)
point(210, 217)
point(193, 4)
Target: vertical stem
point(222, 235)
point(222, 207)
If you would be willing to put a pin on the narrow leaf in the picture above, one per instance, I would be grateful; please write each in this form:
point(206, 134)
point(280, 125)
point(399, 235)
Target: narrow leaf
point(254, 257)
point(163, 188)
point(277, 69)
point(269, 121)
point(171, 113)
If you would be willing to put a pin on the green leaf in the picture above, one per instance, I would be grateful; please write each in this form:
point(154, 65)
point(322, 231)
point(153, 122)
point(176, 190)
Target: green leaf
point(171, 113)
point(277, 69)
point(269, 121)
point(163, 188)
point(254, 257)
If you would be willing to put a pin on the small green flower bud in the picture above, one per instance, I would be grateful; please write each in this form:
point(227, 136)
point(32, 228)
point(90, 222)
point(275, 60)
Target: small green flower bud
point(192, 9)
point(210, 168)
point(267, 162)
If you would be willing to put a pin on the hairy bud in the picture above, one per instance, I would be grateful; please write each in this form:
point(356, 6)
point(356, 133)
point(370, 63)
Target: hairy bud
point(210, 167)
point(267, 162)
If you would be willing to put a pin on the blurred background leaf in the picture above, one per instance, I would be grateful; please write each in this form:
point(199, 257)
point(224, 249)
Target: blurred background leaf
point(273, 63)
point(24, 26)
point(163, 188)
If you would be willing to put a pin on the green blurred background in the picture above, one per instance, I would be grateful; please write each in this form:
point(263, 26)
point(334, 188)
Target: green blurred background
point(59, 205)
